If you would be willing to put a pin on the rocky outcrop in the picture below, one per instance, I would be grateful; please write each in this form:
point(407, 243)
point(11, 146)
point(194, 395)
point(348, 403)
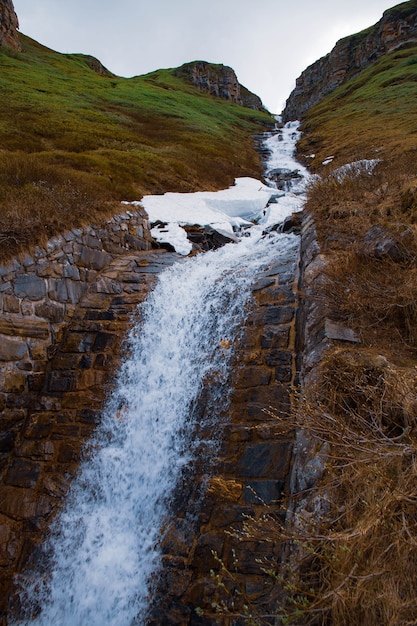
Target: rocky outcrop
point(220, 81)
point(398, 27)
point(8, 25)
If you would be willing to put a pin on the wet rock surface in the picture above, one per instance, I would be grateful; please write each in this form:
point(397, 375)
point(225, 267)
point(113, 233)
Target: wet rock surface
point(246, 475)
point(52, 396)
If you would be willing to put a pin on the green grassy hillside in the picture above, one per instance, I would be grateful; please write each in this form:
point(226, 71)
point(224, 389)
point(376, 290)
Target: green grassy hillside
point(74, 141)
point(373, 115)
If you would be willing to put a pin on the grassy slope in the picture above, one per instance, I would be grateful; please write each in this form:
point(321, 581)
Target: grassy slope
point(372, 115)
point(74, 142)
point(360, 556)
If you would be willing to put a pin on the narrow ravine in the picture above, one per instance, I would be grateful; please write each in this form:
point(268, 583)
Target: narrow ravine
point(103, 548)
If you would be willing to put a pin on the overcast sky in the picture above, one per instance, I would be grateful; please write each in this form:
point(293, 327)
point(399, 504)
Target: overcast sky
point(267, 42)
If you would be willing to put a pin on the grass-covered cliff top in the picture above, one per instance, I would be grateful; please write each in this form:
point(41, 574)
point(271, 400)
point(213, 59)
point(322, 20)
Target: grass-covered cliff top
point(75, 140)
point(371, 116)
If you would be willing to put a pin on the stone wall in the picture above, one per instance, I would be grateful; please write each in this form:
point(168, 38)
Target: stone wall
point(39, 294)
point(47, 426)
point(246, 477)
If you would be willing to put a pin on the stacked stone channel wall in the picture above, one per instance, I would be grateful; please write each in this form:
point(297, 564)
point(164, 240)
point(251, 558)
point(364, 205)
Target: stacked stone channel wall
point(39, 294)
point(247, 477)
point(64, 311)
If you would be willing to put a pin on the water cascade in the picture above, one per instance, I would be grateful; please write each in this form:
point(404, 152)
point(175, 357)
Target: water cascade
point(103, 547)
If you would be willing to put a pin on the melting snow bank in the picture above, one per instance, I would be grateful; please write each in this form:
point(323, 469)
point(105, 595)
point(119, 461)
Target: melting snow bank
point(247, 203)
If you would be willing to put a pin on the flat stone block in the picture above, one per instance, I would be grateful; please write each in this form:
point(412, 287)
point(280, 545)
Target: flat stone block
point(262, 283)
point(263, 491)
point(271, 315)
point(78, 342)
point(94, 259)
point(24, 327)
point(22, 473)
point(275, 337)
point(253, 377)
point(266, 460)
point(278, 357)
point(29, 286)
point(103, 342)
point(61, 381)
point(11, 304)
point(12, 349)
point(283, 374)
point(51, 311)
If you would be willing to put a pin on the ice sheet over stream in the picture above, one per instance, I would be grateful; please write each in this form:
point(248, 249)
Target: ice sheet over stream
point(104, 546)
point(245, 203)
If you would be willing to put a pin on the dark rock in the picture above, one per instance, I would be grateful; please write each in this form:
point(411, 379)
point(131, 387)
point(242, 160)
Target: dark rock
point(7, 440)
point(264, 460)
point(29, 286)
point(275, 337)
point(272, 315)
point(291, 224)
point(349, 57)
point(51, 311)
point(283, 177)
point(253, 377)
point(218, 80)
point(62, 381)
point(22, 473)
point(8, 26)
point(207, 238)
point(78, 342)
point(263, 491)
point(262, 283)
point(278, 357)
point(380, 244)
point(94, 259)
point(12, 349)
point(103, 341)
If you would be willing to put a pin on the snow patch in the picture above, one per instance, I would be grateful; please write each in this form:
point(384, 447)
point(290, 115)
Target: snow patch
point(247, 203)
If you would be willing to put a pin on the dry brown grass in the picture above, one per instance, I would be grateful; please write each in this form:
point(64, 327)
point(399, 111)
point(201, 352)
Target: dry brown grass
point(351, 541)
point(359, 557)
point(38, 200)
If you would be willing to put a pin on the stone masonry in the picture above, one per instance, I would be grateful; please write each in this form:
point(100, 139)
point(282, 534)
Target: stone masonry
point(64, 313)
point(39, 294)
point(249, 475)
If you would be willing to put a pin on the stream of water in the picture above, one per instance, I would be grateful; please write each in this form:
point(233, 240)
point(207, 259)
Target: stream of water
point(103, 547)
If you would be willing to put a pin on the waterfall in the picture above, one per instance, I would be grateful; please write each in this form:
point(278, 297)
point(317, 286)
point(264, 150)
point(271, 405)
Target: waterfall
point(103, 547)
point(104, 543)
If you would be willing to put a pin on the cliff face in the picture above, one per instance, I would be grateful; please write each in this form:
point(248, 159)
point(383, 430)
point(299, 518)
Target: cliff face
point(220, 81)
point(8, 25)
point(397, 27)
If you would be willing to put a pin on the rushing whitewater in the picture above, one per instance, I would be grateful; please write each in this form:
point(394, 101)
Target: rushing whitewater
point(103, 548)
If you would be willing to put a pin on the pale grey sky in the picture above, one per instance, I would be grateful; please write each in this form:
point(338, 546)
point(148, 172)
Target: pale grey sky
point(267, 42)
